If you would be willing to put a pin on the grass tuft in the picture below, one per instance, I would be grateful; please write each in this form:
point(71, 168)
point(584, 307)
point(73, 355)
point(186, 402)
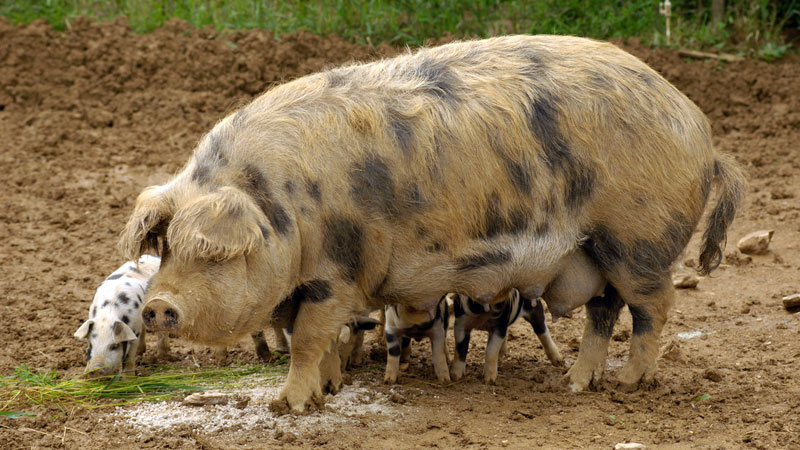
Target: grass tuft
point(26, 388)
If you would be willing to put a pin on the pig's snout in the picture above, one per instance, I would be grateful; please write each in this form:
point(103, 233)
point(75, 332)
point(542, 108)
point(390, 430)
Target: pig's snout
point(161, 315)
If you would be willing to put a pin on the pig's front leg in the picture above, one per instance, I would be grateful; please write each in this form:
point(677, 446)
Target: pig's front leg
point(317, 325)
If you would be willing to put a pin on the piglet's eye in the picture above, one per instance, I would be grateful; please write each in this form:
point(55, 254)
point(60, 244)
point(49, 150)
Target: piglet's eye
point(113, 347)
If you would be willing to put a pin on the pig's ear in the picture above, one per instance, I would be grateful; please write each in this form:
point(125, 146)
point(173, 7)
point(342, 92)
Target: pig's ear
point(123, 333)
point(218, 226)
point(84, 330)
point(149, 221)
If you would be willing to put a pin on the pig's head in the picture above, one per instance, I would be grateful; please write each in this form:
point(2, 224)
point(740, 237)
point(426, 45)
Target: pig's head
point(110, 341)
point(223, 267)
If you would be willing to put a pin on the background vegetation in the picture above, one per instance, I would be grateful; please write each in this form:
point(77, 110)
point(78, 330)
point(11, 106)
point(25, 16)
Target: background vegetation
point(764, 28)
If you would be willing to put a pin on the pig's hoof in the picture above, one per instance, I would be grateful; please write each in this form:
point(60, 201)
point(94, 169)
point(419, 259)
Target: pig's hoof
point(301, 400)
point(490, 380)
point(580, 377)
point(631, 378)
point(404, 366)
point(457, 371)
point(279, 407)
point(332, 387)
point(390, 378)
point(443, 378)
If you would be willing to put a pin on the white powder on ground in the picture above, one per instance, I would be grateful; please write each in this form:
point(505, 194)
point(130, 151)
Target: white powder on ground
point(350, 405)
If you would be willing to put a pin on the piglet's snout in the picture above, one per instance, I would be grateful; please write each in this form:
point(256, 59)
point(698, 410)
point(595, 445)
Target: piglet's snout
point(161, 315)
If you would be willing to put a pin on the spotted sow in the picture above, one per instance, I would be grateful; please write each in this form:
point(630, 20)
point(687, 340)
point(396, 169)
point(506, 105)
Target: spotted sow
point(475, 167)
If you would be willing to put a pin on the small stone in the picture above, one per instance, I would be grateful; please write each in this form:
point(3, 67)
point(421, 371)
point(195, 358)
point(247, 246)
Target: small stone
point(755, 243)
point(206, 398)
point(628, 446)
point(713, 375)
point(688, 281)
point(672, 352)
point(791, 301)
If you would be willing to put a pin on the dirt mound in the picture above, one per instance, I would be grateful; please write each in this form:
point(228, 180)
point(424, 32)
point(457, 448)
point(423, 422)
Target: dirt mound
point(90, 116)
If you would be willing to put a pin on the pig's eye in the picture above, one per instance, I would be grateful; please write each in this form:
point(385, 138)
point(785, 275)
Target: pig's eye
point(113, 347)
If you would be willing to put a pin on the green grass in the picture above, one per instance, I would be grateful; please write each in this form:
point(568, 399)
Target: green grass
point(751, 27)
point(26, 388)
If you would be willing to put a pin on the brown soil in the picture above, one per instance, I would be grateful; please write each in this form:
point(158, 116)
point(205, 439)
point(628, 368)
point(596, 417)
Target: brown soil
point(91, 116)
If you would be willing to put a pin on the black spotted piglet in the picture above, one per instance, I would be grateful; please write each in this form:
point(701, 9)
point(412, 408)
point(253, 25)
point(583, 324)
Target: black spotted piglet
point(115, 330)
point(404, 323)
point(496, 319)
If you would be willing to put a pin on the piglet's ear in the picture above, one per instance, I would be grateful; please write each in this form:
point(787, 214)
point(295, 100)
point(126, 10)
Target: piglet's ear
point(220, 225)
point(149, 221)
point(123, 333)
point(366, 323)
point(344, 334)
point(84, 330)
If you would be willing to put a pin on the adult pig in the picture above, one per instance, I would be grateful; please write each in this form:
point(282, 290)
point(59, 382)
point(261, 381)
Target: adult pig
point(474, 167)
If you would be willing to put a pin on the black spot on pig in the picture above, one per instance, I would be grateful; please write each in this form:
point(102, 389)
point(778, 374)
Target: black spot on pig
point(372, 186)
point(123, 298)
point(264, 231)
point(114, 276)
point(201, 174)
point(313, 190)
point(345, 245)
point(257, 187)
point(603, 311)
point(517, 221)
point(650, 261)
point(519, 175)
point(279, 219)
point(543, 123)
point(604, 248)
point(403, 131)
point(289, 187)
point(126, 320)
point(642, 320)
point(580, 180)
point(488, 258)
point(439, 79)
point(314, 291)
point(94, 311)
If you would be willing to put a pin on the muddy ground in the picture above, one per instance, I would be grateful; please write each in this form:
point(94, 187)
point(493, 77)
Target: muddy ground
point(91, 116)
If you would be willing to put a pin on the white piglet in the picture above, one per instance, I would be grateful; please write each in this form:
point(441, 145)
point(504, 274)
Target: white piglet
point(115, 329)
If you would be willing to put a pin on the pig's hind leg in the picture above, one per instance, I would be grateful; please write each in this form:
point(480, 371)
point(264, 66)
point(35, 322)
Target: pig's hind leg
point(601, 315)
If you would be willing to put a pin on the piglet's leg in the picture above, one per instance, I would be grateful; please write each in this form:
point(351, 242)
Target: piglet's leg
point(281, 343)
point(405, 353)
point(462, 343)
point(439, 353)
point(393, 350)
point(533, 312)
point(496, 338)
point(142, 342)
